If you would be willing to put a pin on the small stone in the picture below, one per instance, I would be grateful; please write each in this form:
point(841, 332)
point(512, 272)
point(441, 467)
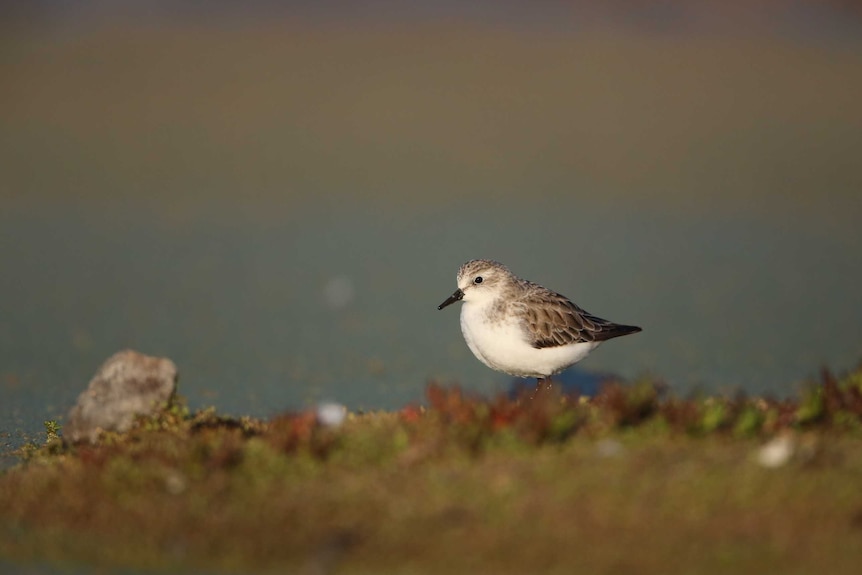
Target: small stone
point(777, 452)
point(331, 414)
point(127, 385)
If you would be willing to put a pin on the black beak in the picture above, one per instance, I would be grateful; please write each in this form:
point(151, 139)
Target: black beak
point(452, 298)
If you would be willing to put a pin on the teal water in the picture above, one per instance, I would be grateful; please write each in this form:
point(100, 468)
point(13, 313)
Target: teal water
point(279, 206)
point(266, 309)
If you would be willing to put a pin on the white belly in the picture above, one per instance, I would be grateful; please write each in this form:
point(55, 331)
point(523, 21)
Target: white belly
point(502, 345)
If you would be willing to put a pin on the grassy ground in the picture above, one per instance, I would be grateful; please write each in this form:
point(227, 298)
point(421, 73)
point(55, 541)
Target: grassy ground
point(627, 481)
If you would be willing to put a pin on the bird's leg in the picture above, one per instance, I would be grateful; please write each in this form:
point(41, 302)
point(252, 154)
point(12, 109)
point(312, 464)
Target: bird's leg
point(542, 384)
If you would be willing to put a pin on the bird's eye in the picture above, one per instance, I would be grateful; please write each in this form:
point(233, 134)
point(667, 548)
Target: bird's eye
point(478, 280)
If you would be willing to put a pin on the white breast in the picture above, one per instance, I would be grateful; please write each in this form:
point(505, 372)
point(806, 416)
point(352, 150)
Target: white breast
point(501, 344)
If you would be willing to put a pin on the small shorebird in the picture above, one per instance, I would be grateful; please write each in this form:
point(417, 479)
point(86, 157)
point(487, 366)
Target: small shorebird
point(521, 328)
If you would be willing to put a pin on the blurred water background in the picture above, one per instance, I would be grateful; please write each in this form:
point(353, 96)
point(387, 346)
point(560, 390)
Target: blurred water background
point(277, 196)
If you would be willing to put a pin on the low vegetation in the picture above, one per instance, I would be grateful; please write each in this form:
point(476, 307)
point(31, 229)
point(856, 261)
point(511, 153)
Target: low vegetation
point(631, 480)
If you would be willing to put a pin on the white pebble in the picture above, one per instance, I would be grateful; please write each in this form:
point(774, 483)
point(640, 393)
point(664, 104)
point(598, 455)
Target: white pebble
point(331, 414)
point(777, 452)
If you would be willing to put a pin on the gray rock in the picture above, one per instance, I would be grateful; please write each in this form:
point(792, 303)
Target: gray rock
point(127, 385)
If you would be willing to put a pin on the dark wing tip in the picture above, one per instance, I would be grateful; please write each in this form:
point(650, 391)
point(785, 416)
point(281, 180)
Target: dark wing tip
point(612, 330)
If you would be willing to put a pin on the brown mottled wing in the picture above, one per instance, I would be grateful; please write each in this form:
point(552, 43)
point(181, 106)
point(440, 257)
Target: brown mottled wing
point(551, 320)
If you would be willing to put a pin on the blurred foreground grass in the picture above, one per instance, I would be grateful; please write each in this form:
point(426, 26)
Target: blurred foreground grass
point(626, 481)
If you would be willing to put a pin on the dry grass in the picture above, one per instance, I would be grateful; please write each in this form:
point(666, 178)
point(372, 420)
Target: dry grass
point(628, 481)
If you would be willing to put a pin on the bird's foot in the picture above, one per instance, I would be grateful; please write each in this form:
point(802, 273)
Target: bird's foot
point(543, 385)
